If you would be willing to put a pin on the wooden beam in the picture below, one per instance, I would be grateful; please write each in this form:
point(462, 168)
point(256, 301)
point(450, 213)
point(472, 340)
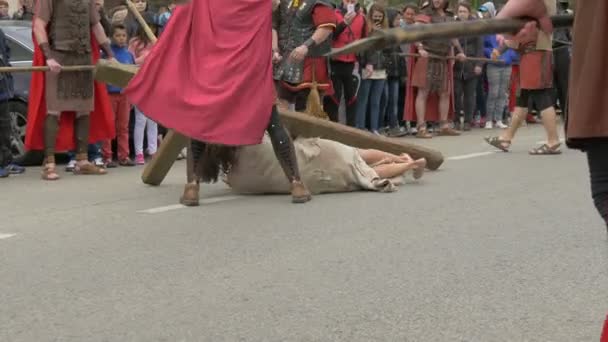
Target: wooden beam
point(298, 124)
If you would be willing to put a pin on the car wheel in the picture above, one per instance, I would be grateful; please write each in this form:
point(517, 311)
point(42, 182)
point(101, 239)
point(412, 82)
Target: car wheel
point(18, 113)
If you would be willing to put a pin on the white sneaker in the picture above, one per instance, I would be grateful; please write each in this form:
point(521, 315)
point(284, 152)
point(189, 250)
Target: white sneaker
point(99, 162)
point(501, 125)
point(71, 165)
point(489, 125)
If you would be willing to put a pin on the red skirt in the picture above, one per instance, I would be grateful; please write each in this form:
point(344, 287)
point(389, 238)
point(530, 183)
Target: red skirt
point(536, 70)
point(321, 76)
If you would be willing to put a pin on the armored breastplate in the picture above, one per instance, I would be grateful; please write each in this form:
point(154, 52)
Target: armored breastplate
point(297, 26)
point(439, 47)
point(70, 26)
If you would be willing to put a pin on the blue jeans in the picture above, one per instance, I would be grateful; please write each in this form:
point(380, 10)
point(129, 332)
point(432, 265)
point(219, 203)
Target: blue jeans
point(94, 152)
point(370, 93)
point(499, 78)
point(391, 91)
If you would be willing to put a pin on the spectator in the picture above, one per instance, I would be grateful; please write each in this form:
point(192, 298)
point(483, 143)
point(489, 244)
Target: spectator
point(131, 22)
point(119, 14)
point(499, 76)
point(466, 74)
point(409, 14)
point(351, 26)
point(163, 18)
point(373, 74)
point(140, 46)
point(25, 11)
point(396, 73)
point(120, 106)
point(7, 166)
point(4, 10)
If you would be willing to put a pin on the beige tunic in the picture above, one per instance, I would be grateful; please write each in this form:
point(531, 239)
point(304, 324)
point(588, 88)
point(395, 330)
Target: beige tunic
point(325, 166)
point(588, 98)
point(82, 81)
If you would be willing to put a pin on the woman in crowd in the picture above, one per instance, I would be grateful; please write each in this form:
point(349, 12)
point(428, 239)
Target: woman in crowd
point(466, 74)
point(499, 78)
point(396, 72)
point(373, 74)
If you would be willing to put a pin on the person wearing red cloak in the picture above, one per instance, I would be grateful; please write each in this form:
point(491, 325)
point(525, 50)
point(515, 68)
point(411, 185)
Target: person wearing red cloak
point(430, 88)
point(303, 29)
point(217, 88)
point(64, 104)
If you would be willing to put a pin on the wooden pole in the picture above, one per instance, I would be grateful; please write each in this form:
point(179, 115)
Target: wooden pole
point(46, 68)
point(141, 21)
point(471, 59)
point(450, 30)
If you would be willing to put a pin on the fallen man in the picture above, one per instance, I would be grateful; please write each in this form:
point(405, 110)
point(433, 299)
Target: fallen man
point(326, 166)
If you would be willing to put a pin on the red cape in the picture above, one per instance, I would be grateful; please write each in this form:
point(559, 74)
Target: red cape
point(102, 118)
point(432, 106)
point(217, 86)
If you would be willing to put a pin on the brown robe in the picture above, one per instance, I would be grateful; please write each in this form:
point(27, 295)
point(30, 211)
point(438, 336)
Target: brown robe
point(325, 166)
point(588, 98)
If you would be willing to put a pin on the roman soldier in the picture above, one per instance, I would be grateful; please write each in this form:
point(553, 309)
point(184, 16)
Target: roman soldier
point(219, 111)
point(536, 88)
point(304, 29)
point(430, 90)
point(64, 104)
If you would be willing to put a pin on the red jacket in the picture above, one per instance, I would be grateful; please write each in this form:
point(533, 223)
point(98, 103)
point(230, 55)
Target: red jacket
point(346, 34)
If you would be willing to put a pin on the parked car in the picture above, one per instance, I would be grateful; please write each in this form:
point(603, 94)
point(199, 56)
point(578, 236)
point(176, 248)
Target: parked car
point(19, 36)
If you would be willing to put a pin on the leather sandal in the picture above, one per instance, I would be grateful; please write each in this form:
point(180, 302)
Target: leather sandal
point(49, 172)
point(299, 192)
point(89, 169)
point(190, 198)
point(423, 133)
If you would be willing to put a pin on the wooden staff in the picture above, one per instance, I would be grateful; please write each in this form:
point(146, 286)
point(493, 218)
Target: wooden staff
point(450, 30)
point(472, 59)
point(46, 68)
point(141, 21)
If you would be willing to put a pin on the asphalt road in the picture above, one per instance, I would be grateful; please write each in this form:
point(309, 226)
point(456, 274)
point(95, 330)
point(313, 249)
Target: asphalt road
point(493, 247)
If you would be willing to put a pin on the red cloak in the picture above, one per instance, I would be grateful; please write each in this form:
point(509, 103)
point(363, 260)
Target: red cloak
point(209, 76)
point(432, 105)
point(101, 119)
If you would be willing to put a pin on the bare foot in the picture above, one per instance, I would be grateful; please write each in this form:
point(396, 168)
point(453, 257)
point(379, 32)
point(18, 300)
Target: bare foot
point(420, 166)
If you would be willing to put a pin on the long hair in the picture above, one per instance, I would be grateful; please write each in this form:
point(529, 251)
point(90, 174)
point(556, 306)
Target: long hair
point(370, 15)
point(213, 160)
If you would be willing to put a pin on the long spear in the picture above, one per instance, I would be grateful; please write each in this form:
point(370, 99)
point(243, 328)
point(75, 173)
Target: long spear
point(46, 68)
point(470, 59)
point(455, 29)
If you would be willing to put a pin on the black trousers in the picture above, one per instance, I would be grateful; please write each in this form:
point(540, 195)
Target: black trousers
point(465, 92)
point(481, 96)
point(344, 84)
point(6, 156)
point(561, 74)
point(597, 157)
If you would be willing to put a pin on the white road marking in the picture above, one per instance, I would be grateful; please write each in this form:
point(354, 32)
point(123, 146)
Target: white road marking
point(172, 207)
point(6, 236)
point(472, 155)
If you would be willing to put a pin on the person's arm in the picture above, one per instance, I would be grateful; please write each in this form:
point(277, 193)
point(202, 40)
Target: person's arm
point(325, 22)
point(99, 32)
point(528, 8)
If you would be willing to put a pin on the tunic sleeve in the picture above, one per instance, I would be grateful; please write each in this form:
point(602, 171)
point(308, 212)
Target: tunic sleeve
point(324, 17)
point(94, 13)
point(44, 10)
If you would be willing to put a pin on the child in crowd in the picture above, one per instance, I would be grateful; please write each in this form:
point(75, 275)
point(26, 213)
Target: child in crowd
point(140, 46)
point(120, 106)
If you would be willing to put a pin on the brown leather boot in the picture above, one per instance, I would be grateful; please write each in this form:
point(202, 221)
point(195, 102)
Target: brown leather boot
point(299, 192)
point(190, 198)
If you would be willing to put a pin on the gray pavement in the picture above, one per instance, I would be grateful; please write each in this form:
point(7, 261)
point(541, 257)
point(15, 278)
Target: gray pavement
point(493, 247)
